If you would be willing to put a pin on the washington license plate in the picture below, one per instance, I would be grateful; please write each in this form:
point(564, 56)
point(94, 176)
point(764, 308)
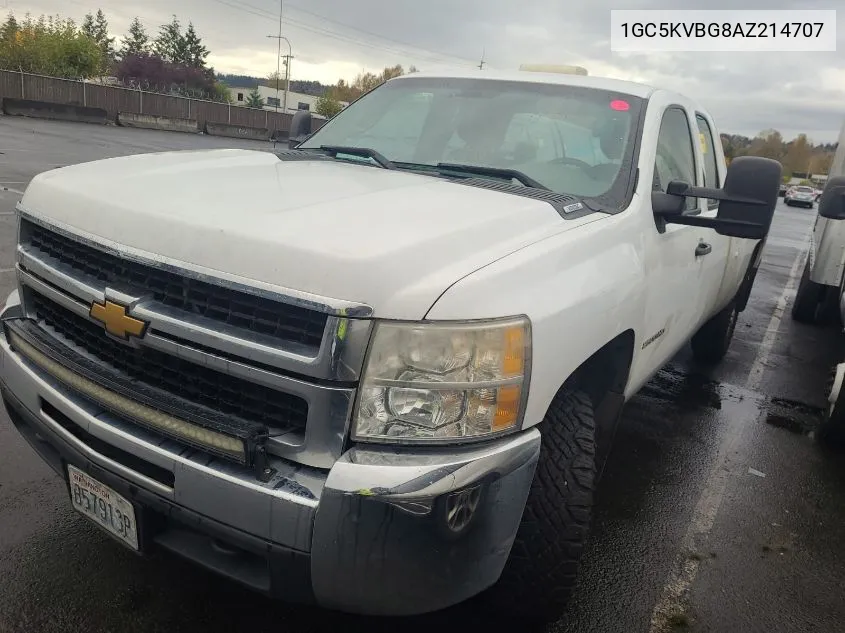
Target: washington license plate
point(104, 506)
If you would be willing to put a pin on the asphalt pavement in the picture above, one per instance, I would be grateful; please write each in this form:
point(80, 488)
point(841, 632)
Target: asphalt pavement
point(718, 511)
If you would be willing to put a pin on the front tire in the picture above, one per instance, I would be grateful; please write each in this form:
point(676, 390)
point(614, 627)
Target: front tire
point(711, 342)
point(542, 568)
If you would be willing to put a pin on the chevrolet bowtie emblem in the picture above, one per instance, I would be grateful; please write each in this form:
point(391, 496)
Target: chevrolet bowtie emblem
point(117, 323)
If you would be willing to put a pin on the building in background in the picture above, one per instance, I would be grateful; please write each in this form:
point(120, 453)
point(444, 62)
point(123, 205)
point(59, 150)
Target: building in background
point(296, 100)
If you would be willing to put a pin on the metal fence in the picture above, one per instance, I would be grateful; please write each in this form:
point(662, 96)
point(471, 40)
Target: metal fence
point(114, 99)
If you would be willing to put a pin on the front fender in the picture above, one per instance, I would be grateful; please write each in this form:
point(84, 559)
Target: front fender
point(580, 289)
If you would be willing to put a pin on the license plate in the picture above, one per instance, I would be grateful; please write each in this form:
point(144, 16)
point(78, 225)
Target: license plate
point(104, 506)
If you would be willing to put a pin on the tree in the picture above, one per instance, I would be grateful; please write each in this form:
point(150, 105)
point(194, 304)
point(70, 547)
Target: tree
point(9, 29)
point(364, 82)
point(194, 52)
point(170, 43)
point(88, 25)
point(101, 29)
point(97, 28)
point(221, 93)
point(49, 46)
point(136, 41)
point(327, 105)
point(797, 157)
point(254, 99)
point(412, 69)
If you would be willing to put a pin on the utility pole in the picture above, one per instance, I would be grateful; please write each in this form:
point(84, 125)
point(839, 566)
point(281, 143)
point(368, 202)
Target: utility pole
point(481, 65)
point(288, 57)
point(279, 53)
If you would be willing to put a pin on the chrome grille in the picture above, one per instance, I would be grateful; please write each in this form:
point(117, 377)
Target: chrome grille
point(195, 383)
point(229, 348)
point(233, 308)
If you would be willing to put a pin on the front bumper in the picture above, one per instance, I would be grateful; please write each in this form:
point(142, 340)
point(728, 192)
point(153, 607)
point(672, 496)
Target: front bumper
point(371, 535)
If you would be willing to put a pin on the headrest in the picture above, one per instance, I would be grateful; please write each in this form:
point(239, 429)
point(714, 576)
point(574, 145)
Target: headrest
point(611, 134)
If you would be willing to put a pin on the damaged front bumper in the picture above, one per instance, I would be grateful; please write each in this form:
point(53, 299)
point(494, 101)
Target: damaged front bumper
point(383, 532)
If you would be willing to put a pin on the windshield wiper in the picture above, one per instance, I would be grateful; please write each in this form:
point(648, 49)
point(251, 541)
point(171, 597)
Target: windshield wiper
point(362, 152)
point(496, 172)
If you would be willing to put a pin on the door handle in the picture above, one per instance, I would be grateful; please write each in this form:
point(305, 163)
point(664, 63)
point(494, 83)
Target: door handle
point(703, 248)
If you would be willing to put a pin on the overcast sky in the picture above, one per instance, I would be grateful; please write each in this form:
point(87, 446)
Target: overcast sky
point(332, 39)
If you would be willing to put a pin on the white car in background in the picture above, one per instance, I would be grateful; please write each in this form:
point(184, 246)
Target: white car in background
point(800, 195)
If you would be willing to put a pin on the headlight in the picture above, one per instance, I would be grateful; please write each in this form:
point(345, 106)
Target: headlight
point(444, 382)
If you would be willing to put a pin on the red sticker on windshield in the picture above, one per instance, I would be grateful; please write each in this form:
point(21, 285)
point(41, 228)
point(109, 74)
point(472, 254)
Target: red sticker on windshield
point(619, 105)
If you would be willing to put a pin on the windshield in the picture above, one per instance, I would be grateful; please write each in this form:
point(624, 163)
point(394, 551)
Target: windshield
point(569, 139)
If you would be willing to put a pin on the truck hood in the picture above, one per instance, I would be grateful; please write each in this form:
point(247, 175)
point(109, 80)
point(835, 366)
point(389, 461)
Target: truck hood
point(392, 240)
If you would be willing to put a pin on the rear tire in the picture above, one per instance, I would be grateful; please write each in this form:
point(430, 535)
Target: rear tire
point(711, 342)
point(542, 568)
point(807, 299)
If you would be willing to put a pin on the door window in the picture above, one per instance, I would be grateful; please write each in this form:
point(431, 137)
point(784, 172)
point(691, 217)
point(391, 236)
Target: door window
point(708, 149)
point(675, 155)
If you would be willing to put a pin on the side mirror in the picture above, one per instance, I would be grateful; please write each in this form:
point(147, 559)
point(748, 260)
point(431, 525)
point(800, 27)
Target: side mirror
point(832, 202)
point(751, 185)
point(300, 128)
point(746, 203)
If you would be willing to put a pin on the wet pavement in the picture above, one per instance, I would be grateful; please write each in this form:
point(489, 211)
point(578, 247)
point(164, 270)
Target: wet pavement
point(717, 511)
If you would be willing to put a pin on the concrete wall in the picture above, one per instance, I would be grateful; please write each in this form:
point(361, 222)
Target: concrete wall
point(156, 122)
point(51, 110)
point(237, 131)
point(117, 99)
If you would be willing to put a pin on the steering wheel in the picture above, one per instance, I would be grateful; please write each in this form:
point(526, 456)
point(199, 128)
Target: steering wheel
point(565, 160)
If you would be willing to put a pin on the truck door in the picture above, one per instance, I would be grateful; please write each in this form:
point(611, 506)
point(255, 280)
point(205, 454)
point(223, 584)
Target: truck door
point(677, 286)
point(716, 265)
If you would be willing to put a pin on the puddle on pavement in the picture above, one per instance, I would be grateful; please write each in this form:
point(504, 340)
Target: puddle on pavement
point(689, 390)
point(793, 416)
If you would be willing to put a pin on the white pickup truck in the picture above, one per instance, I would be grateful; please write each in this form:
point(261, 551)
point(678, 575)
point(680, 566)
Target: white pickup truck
point(377, 371)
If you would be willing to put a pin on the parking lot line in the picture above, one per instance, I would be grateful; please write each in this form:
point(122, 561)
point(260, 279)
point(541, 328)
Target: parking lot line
point(686, 565)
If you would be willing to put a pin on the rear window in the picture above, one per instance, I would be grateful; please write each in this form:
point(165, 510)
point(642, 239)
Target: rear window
point(804, 189)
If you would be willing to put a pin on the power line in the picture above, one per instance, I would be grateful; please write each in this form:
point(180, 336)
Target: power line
point(372, 34)
point(431, 57)
point(443, 58)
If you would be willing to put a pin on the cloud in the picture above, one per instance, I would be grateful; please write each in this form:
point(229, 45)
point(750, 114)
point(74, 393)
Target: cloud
point(746, 92)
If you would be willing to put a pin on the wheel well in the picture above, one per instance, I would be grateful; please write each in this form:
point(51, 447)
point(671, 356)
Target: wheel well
point(603, 377)
point(606, 371)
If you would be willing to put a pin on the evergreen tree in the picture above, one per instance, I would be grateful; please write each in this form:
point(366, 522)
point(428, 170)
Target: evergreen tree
point(88, 26)
point(194, 50)
point(170, 43)
point(136, 42)
point(97, 28)
point(101, 36)
point(254, 99)
point(9, 28)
